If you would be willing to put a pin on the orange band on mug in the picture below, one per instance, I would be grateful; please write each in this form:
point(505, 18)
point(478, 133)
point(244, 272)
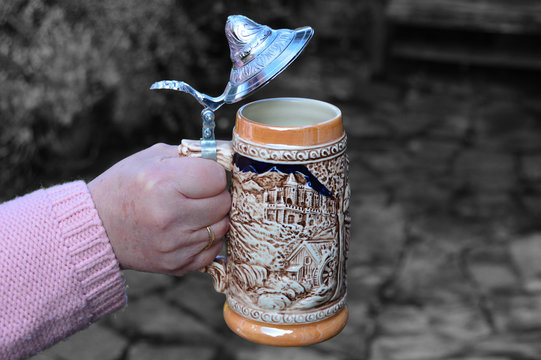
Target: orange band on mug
point(325, 131)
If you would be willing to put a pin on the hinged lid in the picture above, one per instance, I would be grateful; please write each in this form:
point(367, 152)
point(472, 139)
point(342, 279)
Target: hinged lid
point(258, 54)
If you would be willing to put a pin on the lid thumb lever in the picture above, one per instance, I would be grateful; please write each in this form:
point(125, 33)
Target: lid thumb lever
point(208, 140)
point(213, 103)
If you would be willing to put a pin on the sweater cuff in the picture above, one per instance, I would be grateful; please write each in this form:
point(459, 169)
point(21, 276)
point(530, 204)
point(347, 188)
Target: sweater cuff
point(95, 265)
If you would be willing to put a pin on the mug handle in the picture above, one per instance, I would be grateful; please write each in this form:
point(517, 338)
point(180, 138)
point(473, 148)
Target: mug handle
point(224, 152)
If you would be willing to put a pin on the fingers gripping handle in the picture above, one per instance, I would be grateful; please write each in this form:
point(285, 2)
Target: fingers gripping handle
point(224, 157)
point(224, 151)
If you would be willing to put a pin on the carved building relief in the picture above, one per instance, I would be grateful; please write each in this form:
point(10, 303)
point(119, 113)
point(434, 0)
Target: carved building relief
point(288, 241)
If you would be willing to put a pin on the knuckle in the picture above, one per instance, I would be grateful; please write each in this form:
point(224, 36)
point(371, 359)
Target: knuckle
point(218, 249)
point(205, 258)
point(164, 246)
point(223, 228)
point(222, 205)
point(213, 172)
point(227, 201)
point(212, 253)
point(149, 178)
point(170, 264)
point(159, 219)
point(221, 177)
point(159, 146)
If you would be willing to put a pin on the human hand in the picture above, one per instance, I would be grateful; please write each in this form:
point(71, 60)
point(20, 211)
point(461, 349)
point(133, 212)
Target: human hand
point(155, 207)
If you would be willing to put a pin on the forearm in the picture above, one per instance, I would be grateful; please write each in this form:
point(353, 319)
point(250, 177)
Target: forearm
point(58, 272)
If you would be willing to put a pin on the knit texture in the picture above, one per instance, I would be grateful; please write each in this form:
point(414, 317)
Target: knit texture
point(58, 272)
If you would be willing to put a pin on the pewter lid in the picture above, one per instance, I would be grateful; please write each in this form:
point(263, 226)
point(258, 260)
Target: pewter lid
point(258, 54)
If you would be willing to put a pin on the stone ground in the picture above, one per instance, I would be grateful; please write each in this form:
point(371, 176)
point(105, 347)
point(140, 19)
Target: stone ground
point(445, 254)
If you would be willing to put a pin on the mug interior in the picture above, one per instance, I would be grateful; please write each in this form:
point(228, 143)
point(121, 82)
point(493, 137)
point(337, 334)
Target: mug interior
point(290, 112)
point(289, 121)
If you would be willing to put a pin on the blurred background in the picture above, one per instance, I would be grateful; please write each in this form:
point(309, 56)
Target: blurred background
point(76, 76)
point(441, 105)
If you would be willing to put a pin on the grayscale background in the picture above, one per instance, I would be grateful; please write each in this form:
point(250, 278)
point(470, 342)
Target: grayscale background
point(441, 103)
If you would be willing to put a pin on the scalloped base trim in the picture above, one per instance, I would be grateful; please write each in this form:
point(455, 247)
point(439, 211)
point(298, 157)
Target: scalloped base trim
point(277, 318)
point(285, 335)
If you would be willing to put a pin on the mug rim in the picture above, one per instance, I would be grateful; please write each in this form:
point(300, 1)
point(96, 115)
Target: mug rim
point(303, 135)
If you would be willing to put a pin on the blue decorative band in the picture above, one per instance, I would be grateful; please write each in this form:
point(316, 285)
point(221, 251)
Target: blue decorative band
point(246, 164)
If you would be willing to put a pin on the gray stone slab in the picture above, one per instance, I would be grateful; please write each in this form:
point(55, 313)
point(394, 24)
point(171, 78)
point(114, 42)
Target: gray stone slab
point(531, 167)
point(403, 320)
point(413, 347)
point(429, 272)
point(509, 346)
point(493, 276)
point(145, 351)
point(46, 355)
point(487, 170)
point(460, 322)
point(351, 342)
point(273, 353)
point(96, 342)
point(196, 294)
point(377, 232)
point(364, 281)
point(153, 317)
point(480, 358)
point(140, 283)
point(532, 202)
point(523, 313)
point(526, 253)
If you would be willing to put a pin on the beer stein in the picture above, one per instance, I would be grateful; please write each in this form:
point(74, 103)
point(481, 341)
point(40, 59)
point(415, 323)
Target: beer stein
point(284, 275)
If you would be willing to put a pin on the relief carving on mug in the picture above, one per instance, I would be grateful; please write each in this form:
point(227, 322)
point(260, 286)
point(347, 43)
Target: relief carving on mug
point(288, 239)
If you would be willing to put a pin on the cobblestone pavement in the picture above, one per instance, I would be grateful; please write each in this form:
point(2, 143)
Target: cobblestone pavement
point(445, 254)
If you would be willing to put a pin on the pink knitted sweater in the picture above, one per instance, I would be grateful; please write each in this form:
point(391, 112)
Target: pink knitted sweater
point(58, 272)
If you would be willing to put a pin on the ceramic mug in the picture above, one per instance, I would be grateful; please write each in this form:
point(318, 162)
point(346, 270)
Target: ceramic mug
point(284, 275)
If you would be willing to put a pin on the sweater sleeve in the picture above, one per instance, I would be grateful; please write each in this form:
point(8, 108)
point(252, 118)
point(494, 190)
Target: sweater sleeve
point(58, 272)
